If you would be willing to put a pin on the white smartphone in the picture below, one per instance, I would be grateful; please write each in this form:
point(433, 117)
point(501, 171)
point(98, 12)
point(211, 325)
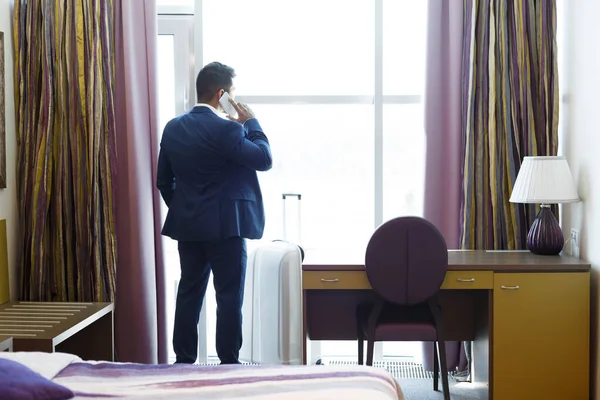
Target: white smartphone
point(227, 106)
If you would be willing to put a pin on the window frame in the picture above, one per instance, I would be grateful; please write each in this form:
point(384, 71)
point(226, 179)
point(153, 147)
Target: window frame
point(178, 22)
point(185, 23)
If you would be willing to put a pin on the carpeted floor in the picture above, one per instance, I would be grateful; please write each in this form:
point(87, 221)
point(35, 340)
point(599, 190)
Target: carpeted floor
point(422, 389)
point(417, 384)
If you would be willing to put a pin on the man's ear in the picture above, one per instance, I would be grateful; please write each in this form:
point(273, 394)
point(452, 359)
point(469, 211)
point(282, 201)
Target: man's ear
point(220, 93)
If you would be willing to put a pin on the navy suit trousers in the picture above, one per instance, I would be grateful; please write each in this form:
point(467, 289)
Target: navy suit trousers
point(227, 260)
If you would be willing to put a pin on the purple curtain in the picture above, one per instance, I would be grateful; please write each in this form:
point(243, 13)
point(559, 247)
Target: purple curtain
point(443, 182)
point(510, 101)
point(442, 109)
point(140, 321)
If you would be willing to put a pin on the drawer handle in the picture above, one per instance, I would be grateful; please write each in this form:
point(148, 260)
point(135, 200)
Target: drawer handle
point(465, 280)
point(330, 280)
point(509, 287)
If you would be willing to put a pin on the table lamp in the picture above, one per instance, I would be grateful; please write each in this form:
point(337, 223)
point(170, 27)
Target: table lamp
point(544, 181)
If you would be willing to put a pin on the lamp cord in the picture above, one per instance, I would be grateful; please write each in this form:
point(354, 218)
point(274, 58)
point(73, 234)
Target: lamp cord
point(569, 240)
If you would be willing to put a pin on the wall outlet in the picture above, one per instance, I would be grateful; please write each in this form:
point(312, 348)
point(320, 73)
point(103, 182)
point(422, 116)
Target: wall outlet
point(575, 243)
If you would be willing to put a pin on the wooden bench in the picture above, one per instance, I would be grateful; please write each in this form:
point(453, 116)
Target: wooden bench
point(82, 329)
point(6, 344)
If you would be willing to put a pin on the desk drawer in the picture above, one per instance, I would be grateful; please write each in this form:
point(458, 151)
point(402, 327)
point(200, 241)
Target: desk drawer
point(469, 280)
point(335, 280)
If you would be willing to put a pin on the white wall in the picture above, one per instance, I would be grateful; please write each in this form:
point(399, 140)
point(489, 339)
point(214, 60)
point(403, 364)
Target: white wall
point(8, 204)
point(580, 84)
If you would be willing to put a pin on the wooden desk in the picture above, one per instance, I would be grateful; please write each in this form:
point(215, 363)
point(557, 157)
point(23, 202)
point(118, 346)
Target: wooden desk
point(528, 315)
point(83, 329)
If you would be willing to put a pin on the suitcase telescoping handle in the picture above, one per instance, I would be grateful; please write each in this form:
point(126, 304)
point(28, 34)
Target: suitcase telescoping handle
point(284, 197)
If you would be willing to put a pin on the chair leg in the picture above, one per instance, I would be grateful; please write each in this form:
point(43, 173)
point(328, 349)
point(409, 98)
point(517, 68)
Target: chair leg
point(444, 368)
point(361, 348)
point(436, 313)
point(370, 350)
point(360, 334)
point(436, 367)
point(372, 329)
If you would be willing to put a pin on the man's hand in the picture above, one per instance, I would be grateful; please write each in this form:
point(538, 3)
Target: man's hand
point(244, 112)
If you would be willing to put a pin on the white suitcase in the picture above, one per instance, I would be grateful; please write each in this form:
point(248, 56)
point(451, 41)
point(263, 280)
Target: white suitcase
point(272, 310)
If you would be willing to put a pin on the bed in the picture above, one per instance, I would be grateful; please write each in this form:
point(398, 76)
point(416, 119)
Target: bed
point(89, 380)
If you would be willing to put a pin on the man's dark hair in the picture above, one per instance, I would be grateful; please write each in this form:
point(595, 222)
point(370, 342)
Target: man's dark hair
point(212, 78)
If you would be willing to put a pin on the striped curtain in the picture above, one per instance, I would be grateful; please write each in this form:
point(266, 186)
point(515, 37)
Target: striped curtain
point(64, 83)
point(510, 110)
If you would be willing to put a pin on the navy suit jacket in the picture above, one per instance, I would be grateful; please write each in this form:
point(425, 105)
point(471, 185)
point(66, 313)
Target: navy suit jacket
point(207, 177)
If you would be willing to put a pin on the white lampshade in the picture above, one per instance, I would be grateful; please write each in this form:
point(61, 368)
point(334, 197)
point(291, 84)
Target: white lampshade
point(544, 180)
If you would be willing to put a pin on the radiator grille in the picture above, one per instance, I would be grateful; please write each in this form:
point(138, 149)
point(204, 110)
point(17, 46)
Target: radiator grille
point(398, 369)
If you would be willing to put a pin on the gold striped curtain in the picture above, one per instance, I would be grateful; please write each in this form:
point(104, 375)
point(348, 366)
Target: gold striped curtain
point(510, 110)
point(64, 82)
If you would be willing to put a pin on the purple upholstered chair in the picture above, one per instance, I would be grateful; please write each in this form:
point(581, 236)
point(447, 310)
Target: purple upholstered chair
point(406, 261)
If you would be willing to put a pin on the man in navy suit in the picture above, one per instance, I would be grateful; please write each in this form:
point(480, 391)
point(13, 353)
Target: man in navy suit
point(207, 177)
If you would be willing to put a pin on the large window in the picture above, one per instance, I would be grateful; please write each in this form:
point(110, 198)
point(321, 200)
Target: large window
point(337, 86)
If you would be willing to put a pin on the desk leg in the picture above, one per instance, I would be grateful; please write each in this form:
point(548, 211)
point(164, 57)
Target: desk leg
point(304, 331)
point(308, 347)
point(481, 369)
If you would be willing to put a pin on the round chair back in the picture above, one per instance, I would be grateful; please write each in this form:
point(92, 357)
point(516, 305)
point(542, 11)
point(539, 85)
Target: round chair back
point(406, 260)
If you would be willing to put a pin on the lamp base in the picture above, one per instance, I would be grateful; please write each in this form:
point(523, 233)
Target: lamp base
point(545, 236)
